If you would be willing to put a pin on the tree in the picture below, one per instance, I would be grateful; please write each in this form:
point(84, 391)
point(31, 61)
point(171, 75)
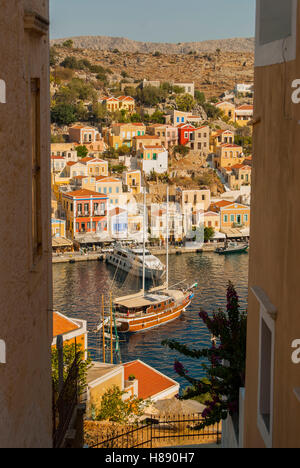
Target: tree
point(124, 149)
point(225, 365)
point(200, 97)
point(63, 114)
point(113, 408)
point(82, 151)
point(53, 57)
point(208, 233)
point(185, 102)
point(181, 149)
point(69, 44)
point(69, 353)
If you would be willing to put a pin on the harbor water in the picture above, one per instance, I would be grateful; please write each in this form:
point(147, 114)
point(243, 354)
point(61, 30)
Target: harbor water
point(78, 290)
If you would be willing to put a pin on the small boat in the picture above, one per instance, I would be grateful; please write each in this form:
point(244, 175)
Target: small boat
point(143, 311)
point(130, 259)
point(232, 247)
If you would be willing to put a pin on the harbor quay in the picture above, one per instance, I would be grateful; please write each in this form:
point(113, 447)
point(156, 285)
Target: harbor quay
point(99, 255)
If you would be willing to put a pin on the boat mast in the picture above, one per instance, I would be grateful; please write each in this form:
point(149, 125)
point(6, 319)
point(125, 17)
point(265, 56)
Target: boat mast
point(103, 330)
point(167, 245)
point(144, 241)
point(111, 328)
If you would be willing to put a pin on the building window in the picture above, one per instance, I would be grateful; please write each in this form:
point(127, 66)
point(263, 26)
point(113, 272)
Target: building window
point(276, 23)
point(225, 218)
point(267, 317)
point(36, 212)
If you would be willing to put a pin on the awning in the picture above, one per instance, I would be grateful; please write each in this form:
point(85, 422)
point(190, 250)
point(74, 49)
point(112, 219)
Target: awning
point(235, 232)
point(61, 242)
point(219, 235)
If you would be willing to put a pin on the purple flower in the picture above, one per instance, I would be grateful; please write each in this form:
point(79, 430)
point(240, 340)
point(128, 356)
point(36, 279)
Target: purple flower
point(178, 367)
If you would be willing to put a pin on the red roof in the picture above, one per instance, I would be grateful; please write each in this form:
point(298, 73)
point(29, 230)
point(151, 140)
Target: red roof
point(150, 381)
point(219, 204)
point(245, 107)
point(62, 324)
point(57, 157)
point(83, 193)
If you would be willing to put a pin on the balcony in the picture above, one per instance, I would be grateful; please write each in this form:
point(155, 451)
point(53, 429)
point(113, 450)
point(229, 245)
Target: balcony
point(99, 213)
point(83, 214)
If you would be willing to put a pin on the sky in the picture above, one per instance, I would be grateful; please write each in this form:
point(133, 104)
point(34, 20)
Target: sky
point(153, 20)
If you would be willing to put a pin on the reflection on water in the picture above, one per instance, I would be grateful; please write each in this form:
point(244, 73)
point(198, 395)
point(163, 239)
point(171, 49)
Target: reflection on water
point(78, 289)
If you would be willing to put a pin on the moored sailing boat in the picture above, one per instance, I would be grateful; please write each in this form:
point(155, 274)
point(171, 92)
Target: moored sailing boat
point(146, 310)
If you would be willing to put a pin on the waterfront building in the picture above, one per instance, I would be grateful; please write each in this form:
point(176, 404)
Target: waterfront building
point(118, 223)
point(73, 169)
point(58, 227)
point(25, 257)
point(86, 215)
point(111, 187)
point(227, 154)
point(212, 220)
point(196, 199)
point(168, 134)
point(153, 158)
point(270, 405)
point(158, 222)
point(234, 215)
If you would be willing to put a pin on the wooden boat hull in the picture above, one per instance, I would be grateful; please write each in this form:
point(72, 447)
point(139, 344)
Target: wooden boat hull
point(140, 324)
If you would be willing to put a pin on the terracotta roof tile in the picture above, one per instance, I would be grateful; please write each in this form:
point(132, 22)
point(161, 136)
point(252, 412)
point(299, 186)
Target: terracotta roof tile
point(150, 381)
point(62, 324)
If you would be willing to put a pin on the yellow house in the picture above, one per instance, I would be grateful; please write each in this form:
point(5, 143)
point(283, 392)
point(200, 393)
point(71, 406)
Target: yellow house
point(145, 140)
point(133, 180)
point(228, 109)
point(110, 186)
point(243, 115)
point(123, 134)
point(58, 227)
point(237, 175)
point(234, 215)
point(95, 167)
point(219, 137)
point(114, 104)
point(228, 155)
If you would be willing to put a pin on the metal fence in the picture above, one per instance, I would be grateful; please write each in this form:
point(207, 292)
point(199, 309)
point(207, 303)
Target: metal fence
point(64, 404)
point(165, 431)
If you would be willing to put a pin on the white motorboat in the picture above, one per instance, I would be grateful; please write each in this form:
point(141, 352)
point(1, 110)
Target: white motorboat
point(130, 259)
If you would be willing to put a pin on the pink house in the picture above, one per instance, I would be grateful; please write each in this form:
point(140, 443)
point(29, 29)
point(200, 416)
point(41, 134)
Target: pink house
point(168, 134)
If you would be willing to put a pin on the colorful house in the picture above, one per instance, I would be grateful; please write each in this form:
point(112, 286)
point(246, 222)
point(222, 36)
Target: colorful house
point(86, 213)
point(114, 104)
point(122, 134)
point(95, 167)
point(212, 220)
point(238, 175)
point(228, 109)
point(82, 134)
point(110, 187)
point(58, 227)
point(133, 181)
point(227, 154)
point(142, 140)
point(153, 158)
point(118, 223)
point(219, 137)
point(234, 215)
point(168, 134)
point(243, 115)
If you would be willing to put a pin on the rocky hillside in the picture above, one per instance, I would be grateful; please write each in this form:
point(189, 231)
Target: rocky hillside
point(127, 45)
point(212, 72)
